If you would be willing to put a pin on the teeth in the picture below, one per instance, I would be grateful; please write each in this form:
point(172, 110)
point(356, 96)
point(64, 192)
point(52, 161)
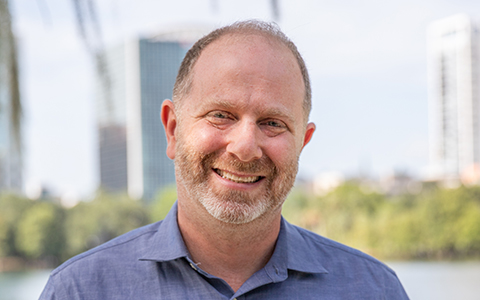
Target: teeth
point(237, 179)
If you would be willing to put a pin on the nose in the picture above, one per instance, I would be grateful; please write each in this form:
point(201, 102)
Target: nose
point(243, 142)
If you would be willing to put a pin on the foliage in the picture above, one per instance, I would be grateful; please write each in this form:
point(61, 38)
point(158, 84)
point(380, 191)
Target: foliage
point(12, 208)
point(44, 230)
point(90, 224)
point(162, 204)
point(435, 224)
point(40, 231)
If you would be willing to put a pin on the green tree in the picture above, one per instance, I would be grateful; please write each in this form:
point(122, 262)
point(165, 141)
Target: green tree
point(448, 217)
point(348, 213)
point(90, 224)
point(12, 208)
point(300, 208)
point(162, 203)
point(40, 231)
point(400, 230)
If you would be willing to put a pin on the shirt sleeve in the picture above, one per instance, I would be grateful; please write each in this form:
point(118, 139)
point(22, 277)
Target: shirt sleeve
point(394, 289)
point(49, 291)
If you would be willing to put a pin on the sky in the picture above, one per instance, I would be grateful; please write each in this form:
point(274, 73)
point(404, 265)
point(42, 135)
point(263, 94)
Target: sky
point(367, 61)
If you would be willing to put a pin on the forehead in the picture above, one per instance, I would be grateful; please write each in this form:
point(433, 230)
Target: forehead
point(248, 52)
point(249, 61)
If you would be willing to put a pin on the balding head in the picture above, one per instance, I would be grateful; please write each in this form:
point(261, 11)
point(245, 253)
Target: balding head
point(271, 31)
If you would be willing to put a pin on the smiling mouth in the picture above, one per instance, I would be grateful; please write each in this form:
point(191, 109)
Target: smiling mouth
point(237, 179)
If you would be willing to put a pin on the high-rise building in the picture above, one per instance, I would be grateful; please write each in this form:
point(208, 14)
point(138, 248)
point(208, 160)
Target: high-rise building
point(132, 141)
point(453, 72)
point(10, 142)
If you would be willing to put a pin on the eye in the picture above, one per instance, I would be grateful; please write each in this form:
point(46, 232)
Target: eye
point(274, 124)
point(273, 127)
point(219, 117)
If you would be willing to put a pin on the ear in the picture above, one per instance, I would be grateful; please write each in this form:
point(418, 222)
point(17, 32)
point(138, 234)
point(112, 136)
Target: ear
point(308, 133)
point(169, 120)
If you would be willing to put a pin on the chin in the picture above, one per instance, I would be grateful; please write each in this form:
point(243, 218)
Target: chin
point(235, 209)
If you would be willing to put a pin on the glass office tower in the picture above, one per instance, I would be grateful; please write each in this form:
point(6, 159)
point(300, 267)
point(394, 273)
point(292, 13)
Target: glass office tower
point(132, 140)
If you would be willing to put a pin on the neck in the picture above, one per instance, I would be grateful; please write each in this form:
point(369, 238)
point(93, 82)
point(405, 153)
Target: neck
point(233, 252)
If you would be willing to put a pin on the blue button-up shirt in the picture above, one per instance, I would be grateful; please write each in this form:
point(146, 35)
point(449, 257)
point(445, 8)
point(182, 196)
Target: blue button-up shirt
point(153, 262)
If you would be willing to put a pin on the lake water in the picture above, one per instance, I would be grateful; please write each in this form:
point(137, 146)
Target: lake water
point(439, 280)
point(22, 285)
point(422, 281)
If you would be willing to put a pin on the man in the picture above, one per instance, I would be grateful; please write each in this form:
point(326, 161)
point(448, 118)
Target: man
point(235, 129)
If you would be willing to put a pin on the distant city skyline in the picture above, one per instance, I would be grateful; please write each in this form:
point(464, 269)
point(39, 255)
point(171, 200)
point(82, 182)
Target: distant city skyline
point(367, 62)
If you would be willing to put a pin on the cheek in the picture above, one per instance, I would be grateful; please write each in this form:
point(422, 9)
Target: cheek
point(282, 151)
point(207, 139)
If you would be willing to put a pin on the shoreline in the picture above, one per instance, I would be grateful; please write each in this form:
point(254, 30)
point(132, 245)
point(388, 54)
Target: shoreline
point(18, 264)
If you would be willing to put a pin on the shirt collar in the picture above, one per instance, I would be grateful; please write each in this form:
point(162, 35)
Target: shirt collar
point(298, 251)
point(292, 251)
point(167, 242)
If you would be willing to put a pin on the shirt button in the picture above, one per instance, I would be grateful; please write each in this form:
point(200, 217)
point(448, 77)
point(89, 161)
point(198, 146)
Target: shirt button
point(193, 267)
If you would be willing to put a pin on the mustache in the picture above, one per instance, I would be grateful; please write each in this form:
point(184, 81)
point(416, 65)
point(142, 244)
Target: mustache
point(263, 165)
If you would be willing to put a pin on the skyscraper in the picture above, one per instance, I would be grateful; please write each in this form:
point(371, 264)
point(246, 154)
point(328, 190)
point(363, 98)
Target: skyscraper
point(131, 137)
point(453, 71)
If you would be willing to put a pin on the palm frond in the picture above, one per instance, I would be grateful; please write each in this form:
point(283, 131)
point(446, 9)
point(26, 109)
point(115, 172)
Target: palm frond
point(10, 75)
point(90, 32)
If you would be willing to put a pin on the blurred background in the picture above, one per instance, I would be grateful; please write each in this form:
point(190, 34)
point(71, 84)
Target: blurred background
point(393, 168)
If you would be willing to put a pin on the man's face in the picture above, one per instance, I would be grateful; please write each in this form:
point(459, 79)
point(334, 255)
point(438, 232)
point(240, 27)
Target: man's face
point(241, 129)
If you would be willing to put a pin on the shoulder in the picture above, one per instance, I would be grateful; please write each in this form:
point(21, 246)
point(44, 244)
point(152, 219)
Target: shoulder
point(339, 269)
point(344, 266)
point(104, 272)
point(121, 249)
point(338, 258)
point(327, 248)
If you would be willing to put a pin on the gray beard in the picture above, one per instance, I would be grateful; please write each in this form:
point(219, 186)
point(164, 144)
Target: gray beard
point(234, 207)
